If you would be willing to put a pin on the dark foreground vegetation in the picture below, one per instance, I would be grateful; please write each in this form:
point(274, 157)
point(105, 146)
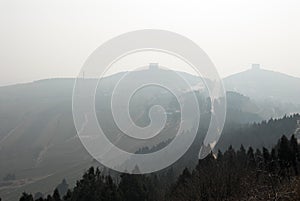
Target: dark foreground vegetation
point(235, 175)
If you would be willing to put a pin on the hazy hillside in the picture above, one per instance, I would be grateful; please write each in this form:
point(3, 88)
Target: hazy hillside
point(38, 141)
point(37, 127)
point(263, 84)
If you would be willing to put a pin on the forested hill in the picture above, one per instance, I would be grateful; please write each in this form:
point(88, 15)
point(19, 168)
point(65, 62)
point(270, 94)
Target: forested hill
point(261, 134)
point(262, 164)
point(257, 135)
point(231, 175)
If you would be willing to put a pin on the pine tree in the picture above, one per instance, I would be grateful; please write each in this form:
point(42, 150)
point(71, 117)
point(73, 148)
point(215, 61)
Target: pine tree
point(68, 195)
point(49, 198)
point(230, 156)
point(133, 187)
point(219, 155)
point(56, 196)
point(250, 158)
point(284, 152)
point(295, 153)
point(285, 157)
point(185, 176)
point(26, 197)
point(266, 155)
point(242, 157)
point(38, 195)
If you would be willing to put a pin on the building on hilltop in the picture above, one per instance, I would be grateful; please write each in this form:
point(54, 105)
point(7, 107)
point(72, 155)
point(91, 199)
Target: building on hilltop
point(255, 66)
point(153, 66)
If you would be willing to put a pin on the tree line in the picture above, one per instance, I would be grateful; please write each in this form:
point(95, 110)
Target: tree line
point(233, 175)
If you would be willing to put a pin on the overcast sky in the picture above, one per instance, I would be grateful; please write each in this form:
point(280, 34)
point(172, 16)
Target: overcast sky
point(42, 39)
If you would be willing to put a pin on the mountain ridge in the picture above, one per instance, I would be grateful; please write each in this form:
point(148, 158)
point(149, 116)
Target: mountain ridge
point(264, 84)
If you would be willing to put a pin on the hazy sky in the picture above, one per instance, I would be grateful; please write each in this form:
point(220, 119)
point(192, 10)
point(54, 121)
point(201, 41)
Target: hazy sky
point(42, 39)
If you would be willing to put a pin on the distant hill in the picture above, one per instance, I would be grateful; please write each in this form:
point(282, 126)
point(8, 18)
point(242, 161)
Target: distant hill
point(260, 84)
